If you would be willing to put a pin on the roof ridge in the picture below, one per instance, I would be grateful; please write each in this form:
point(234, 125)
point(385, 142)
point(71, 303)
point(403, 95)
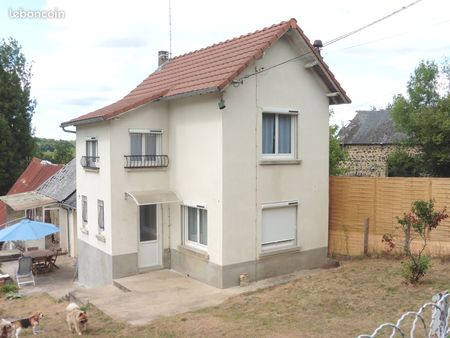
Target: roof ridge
point(233, 39)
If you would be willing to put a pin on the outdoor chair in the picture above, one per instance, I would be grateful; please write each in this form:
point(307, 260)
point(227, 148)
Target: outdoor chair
point(24, 273)
point(53, 259)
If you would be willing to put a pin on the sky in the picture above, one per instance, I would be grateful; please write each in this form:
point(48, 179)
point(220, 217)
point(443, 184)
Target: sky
point(92, 53)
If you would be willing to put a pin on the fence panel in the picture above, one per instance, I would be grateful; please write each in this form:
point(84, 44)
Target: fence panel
point(381, 200)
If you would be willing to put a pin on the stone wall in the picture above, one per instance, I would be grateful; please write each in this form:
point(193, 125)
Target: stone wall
point(368, 160)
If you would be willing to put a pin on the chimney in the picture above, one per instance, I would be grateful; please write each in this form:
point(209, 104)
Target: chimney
point(163, 56)
point(318, 45)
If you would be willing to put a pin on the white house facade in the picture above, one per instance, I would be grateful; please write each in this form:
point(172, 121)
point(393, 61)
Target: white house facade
point(227, 176)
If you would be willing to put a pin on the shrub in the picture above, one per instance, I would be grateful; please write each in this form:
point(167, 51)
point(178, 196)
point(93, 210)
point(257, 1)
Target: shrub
point(414, 270)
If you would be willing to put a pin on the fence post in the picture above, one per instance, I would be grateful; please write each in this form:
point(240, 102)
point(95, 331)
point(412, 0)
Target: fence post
point(406, 249)
point(366, 236)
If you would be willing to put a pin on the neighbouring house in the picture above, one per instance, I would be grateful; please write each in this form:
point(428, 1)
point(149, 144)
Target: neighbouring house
point(216, 165)
point(369, 139)
point(52, 199)
point(36, 173)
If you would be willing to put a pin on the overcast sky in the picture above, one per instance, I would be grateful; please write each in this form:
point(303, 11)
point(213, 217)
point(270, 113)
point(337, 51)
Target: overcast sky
point(100, 50)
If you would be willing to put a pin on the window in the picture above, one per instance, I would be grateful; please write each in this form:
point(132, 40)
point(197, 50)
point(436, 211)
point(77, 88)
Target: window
point(279, 225)
point(145, 142)
point(84, 209)
point(101, 216)
point(195, 225)
point(91, 160)
point(279, 134)
point(148, 223)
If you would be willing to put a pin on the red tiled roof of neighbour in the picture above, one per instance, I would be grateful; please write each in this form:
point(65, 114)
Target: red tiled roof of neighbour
point(207, 70)
point(36, 173)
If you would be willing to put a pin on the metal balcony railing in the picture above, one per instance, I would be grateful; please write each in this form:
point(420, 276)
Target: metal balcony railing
point(146, 161)
point(90, 162)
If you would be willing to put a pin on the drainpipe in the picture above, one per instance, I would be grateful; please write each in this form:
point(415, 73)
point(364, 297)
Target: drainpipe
point(68, 131)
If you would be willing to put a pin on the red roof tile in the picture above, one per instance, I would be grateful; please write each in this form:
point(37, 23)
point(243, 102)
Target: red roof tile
point(206, 70)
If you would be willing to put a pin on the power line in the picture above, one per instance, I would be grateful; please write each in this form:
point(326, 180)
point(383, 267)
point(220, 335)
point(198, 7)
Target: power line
point(370, 24)
point(335, 39)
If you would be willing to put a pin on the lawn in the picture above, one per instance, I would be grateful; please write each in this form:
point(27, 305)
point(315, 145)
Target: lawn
point(342, 302)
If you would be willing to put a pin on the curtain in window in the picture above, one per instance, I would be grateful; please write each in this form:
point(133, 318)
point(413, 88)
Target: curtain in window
point(136, 144)
point(203, 227)
point(84, 208)
point(150, 144)
point(192, 224)
point(91, 148)
point(268, 134)
point(284, 134)
point(101, 215)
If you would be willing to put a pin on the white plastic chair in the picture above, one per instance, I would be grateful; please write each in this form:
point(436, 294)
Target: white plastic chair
point(24, 273)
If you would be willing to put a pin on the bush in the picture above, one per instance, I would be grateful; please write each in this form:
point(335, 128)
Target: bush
point(414, 269)
point(401, 164)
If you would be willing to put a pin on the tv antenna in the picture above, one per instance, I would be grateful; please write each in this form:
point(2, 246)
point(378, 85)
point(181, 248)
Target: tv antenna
point(170, 30)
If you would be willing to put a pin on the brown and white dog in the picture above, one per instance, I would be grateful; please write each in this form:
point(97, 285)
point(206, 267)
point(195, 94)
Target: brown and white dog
point(76, 318)
point(6, 329)
point(25, 323)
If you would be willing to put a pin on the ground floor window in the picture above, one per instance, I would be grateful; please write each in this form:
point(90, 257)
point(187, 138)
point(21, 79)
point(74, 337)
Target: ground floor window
point(148, 230)
point(279, 225)
point(101, 216)
point(195, 226)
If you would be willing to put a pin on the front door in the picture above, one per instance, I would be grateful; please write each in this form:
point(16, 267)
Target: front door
point(149, 252)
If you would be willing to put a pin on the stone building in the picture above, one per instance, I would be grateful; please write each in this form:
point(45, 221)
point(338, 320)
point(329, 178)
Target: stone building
point(369, 139)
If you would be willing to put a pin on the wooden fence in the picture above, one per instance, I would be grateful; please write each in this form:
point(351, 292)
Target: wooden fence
point(381, 200)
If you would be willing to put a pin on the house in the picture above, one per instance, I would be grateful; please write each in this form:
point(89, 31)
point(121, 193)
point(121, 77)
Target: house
point(216, 165)
point(369, 138)
point(32, 177)
point(52, 199)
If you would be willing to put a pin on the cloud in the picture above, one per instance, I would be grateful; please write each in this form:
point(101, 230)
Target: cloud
point(84, 101)
point(123, 42)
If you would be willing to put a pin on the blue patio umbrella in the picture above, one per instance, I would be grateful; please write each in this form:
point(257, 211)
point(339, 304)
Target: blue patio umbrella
point(26, 230)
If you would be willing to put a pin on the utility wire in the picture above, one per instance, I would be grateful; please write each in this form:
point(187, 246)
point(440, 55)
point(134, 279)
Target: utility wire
point(335, 39)
point(370, 24)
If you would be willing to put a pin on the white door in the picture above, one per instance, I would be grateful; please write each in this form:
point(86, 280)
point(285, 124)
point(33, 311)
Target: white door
point(149, 232)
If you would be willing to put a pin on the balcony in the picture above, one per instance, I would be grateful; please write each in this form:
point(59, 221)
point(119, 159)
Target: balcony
point(90, 162)
point(146, 161)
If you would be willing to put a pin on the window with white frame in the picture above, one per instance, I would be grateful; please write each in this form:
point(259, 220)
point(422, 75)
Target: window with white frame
point(195, 226)
point(91, 160)
point(84, 209)
point(279, 225)
point(279, 134)
point(101, 216)
point(145, 142)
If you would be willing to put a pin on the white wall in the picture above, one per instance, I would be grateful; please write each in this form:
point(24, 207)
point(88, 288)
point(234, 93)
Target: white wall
point(196, 164)
point(96, 185)
point(124, 212)
point(247, 183)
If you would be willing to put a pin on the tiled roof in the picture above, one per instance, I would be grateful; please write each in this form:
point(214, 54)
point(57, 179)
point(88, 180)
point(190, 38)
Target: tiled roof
point(208, 70)
point(371, 127)
point(32, 177)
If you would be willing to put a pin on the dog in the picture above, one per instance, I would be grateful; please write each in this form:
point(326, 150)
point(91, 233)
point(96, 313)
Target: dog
point(76, 318)
point(6, 329)
point(27, 322)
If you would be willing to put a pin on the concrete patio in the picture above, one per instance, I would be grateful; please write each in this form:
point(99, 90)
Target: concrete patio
point(142, 298)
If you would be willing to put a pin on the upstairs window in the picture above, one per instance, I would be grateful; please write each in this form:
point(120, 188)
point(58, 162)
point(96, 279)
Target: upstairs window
point(91, 160)
point(145, 142)
point(279, 135)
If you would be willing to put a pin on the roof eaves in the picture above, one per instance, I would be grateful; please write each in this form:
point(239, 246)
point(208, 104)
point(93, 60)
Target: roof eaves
point(81, 122)
point(191, 93)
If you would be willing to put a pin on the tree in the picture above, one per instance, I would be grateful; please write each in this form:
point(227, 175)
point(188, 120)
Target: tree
point(337, 154)
point(424, 115)
point(402, 164)
point(56, 151)
point(16, 111)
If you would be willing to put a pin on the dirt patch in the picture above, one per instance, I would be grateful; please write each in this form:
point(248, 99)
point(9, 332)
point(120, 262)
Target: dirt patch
point(343, 302)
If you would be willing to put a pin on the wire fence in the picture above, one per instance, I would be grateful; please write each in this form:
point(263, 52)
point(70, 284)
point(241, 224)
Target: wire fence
point(417, 326)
